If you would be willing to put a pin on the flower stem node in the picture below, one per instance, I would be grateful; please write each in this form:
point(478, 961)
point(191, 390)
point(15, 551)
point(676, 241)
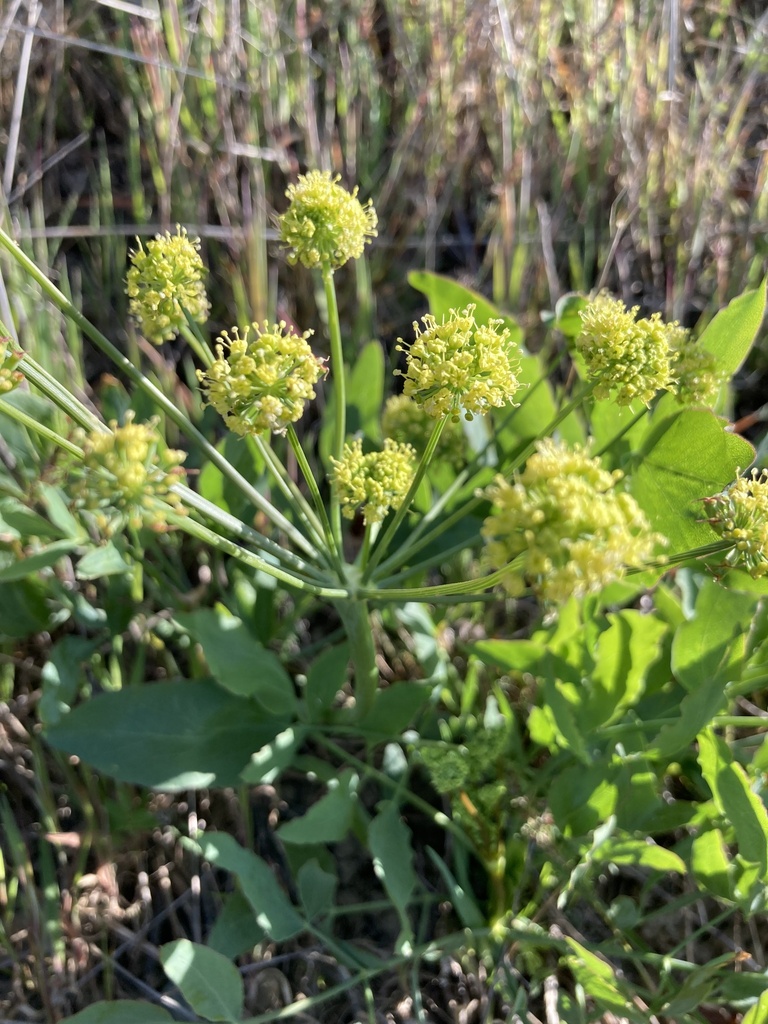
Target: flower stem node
point(376, 480)
point(324, 224)
point(740, 516)
point(10, 357)
point(564, 515)
point(126, 475)
point(457, 365)
point(165, 279)
point(261, 380)
point(625, 357)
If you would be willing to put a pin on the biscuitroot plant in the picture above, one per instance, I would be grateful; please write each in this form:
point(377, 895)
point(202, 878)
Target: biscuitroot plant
point(572, 481)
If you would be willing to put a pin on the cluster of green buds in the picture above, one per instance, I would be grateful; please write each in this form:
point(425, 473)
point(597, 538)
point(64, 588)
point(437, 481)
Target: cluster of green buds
point(377, 481)
point(10, 357)
point(404, 420)
point(324, 225)
point(624, 356)
point(457, 365)
point(261, 380)
point(740, 516)
point(165, 279)
point(697, 373)
point(564, 517)
point(126, 476)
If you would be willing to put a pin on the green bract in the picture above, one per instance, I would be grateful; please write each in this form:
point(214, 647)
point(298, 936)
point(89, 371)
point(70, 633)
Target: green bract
point(167, 278)
point(324, 224)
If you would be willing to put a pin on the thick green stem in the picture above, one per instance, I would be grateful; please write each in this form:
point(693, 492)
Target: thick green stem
point(356, 619)
point(339, 387)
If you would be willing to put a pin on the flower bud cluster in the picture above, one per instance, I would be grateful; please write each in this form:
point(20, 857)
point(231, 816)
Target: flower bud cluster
point(457, 365)
point(165, 279)
point(697, 373)
point(740, 516)
point(324, 224)
point(564, 515)
point(125, 472)
point(261, 380)
point(404, 420)
point(625, 356)
point(10, 358)
point(378, 481)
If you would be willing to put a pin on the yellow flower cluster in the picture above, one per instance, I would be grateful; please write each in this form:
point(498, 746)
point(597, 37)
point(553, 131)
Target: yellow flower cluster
point(324, 224)
point(124, 472)
point(457, 365)
point(625, 356)
point(404, 420)
point(10, 358)
point(264, 380)
point(165, 279)
point(740, 516)
point(377, 480)
point(564, 515)
point(696, 371)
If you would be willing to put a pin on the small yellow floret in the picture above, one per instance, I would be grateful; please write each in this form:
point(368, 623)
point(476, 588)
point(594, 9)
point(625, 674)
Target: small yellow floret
point(377, 480)
point(696, 371)
point(404, 420)
point(10, 357)
point(740, 516)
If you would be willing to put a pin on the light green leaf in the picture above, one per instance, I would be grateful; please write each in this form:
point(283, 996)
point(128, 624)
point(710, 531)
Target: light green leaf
point(238, 661)
point(45, 558)
point(389, 840)
point(330, 819)
point(730, 334)
point(625, 652)
point(125, 1011)
point(58, 512)
point(209, 982)
point(102, 561)
point(710, 864)
point(235, 931)
point(273, 758)
point(757, 1014)
point(625, 850)
point(445, 294)
point(711, 646)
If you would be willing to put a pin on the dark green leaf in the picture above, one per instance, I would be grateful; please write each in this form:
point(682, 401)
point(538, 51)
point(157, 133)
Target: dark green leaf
point(126, 1011)
point(389, 840)
point(209, 982)
point(326, 676)
point(330, 819)
point(316, 889)
point(235, 931)
point(273, 758)
point(712, 645)
point(45, 558)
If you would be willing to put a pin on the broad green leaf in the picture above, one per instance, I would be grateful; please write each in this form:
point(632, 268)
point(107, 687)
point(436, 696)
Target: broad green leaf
point(209, 982)
point(735, 799)
point(625, 653)
point(172, 735)
point(238, 661)
point(23, 608)
point(687, 457)
point(393, 709)
point(326, 676)
point(730, 334)
point(697, 709)
point(235, 931)
point(45, 558)
point(330, 819)
point(125, 1011)
point(710, 864)
point(317, 889)
point(389, 840)
point(444, 294)
point(712, 645)
point(273, 909)
point(562, 702)
point(583, 798)
point(102, 561)
point(757, 1014)
point(274, 757)
point(623, 850)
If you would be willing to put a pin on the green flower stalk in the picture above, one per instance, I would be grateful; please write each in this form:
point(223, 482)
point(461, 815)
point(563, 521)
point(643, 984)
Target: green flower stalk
point(625, 357)
point(261, 380)
point(377, 480)
point(324, 224)
point(455, 365)
point(10, 358)
point(740, 516)
point(407, 422)
point(564, 515)
point(123, 473)
point(165, 279)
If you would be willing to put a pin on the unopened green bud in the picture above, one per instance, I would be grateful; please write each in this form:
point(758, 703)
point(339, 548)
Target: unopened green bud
point(165, 279)
point(10, 357)
point(697, 372)
point(324, 224)
point(377, 480)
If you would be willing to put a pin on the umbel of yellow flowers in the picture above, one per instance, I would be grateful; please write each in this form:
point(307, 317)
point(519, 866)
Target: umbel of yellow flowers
point(376, 480)
point(740, 516)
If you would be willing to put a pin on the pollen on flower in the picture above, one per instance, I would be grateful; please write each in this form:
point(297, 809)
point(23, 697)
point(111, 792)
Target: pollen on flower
point(261, 380)
point(10, 357)
point(740, 516)
point(404, 420)
point(565, 516)
point(126, 475)
point(166, 278)
point(456, 365)
point(626, 357)
point(376, 480)
point(324, 224)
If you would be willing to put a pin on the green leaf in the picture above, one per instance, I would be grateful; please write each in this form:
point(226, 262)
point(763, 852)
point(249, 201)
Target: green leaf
point(273, 758)
point(712, 645)
point(625, 652)
point(389, 840)
point(562, 703)
point(697, 709)
point(126, 1011)
point(710, 864)
point(235, 931)
point(624, 850)
point(272, 907)
point(63, 675)
point(23, 608)
point(317, 889)
point(511, 655)
point(330, 819)
point(599, 981)
point(42, 559)
point(102, 561)
point(394, 709)
point(757, 1014)
point(238, 661)
point(687, 457)
point(735, 799)
point(172, 735)
point(22, 522)
point(444, 294)
point(730, 334)
point(58, 512)
point(326, 676)
point(469, 913)
point(209, 982)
